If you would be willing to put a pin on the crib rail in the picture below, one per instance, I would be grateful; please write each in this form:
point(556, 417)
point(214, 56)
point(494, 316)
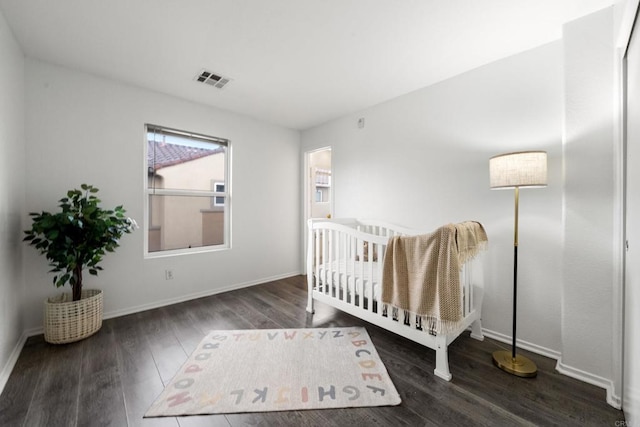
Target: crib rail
point(344, 262)
point(381, 228)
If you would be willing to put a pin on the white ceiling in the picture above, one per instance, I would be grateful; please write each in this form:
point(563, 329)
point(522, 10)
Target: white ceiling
point(295, 63)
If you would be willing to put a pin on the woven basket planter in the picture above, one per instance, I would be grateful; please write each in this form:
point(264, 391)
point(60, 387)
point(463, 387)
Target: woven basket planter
point(67, 321)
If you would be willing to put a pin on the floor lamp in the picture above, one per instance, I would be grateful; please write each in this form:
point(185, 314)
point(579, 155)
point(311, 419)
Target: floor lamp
point(516, 170)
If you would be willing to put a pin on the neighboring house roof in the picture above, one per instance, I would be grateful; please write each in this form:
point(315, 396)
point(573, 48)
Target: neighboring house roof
point(161, 155)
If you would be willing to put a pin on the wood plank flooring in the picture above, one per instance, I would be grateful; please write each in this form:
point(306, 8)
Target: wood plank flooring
point(111, 378)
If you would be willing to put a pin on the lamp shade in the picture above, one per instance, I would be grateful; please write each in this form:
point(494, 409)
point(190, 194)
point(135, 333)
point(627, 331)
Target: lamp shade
point(522, 169)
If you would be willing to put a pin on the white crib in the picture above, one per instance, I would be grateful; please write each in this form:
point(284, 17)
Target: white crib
point(344, 270)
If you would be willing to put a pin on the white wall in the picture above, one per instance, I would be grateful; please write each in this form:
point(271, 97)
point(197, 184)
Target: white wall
point(81, 128)
point(588, 273)
point(422, 160)
point(12, 163)
point(631, 386)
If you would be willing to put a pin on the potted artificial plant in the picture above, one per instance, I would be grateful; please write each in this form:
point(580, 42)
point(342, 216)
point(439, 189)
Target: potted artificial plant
point(74, 239)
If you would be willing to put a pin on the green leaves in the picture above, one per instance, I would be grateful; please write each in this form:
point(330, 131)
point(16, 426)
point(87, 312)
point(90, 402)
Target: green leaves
point(78, 235)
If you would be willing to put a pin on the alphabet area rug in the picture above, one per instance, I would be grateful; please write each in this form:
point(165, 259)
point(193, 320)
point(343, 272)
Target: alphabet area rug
point(278, 370)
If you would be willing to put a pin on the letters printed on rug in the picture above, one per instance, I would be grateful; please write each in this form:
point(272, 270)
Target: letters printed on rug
point(279, 369)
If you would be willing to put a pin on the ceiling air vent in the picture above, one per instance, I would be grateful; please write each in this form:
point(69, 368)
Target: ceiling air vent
point(212, 79)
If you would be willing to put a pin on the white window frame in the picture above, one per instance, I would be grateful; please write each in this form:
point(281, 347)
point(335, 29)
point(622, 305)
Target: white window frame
point(216, 185)
point(176, 192)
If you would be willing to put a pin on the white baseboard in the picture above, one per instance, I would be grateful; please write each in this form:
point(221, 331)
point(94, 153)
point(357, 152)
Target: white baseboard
point(538, 349)
point(612, 399)
point(569, 371)
point(196, 295)
point(11, 363)
point(177, 300)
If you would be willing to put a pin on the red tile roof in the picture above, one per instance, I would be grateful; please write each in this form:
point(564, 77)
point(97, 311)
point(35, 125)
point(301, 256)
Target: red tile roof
point(162, 154)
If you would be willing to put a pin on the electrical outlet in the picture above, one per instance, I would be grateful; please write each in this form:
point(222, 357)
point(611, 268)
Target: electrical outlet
point(168, 274)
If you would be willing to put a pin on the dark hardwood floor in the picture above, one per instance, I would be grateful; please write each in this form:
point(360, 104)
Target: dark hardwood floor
point(111, 378)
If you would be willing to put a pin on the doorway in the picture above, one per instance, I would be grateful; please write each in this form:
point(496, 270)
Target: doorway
point(318, 190)
point(319, 198)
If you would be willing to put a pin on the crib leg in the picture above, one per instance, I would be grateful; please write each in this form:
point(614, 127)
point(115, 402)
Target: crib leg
point(476, 330)
point(310, 293)
point(442, 359)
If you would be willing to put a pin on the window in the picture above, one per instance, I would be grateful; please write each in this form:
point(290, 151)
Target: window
point(188, 199)
point(218, 187)
point(323, 185)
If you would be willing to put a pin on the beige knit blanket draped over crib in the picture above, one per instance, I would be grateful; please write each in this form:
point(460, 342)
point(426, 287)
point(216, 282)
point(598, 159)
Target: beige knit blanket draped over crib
point(421, 274)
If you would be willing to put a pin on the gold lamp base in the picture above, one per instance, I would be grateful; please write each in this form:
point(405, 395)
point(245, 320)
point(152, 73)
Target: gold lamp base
point(520, 366)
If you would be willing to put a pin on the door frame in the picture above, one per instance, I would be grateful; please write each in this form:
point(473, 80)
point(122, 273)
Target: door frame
point(624, 357)
point(308, 197)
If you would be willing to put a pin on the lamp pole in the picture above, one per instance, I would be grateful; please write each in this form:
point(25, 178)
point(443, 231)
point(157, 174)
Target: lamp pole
point(510, 361)
point(515, 274)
